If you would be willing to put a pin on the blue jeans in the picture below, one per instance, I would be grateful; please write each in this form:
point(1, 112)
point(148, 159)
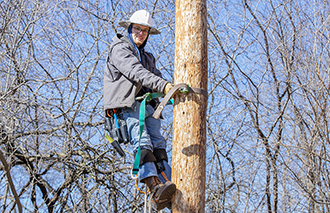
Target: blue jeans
point(151, 138)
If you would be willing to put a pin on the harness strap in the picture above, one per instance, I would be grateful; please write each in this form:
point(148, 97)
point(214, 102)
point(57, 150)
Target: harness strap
point(147, 97)
point(182, 87)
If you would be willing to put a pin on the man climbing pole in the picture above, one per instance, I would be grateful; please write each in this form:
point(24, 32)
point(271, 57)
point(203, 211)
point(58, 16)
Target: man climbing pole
point(130, 72)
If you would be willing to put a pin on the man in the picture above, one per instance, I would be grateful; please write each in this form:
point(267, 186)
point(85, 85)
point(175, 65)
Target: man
point(131, 72)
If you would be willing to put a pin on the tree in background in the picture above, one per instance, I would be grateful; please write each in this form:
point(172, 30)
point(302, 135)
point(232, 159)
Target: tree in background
point(53, 54)
point(270, 134)
point(267, 124)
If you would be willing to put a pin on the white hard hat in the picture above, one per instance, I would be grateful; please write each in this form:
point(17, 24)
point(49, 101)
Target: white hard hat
point(140, 17)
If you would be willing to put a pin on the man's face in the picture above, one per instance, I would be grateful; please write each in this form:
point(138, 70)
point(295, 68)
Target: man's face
point(139, 33)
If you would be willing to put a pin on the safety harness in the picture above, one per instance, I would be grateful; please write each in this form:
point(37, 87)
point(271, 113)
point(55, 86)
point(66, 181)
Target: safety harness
point(146, 97)
point(119, 136)
point(181, 87)
point(113, 120)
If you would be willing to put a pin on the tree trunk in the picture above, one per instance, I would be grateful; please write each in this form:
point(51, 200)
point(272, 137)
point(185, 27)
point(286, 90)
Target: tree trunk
point(189, 116)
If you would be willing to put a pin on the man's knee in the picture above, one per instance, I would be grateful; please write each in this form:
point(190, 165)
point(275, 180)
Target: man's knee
point(147, 156)
point(158, 155)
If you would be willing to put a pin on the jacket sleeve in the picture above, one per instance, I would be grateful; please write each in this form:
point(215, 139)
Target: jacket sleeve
point(123, 58)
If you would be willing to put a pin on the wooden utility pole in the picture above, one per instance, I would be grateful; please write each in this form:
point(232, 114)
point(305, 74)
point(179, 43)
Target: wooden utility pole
point(189, 114)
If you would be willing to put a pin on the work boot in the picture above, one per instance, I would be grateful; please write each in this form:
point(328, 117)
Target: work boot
point(161, 194)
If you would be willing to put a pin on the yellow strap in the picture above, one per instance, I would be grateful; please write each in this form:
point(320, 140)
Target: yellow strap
point(108, 138)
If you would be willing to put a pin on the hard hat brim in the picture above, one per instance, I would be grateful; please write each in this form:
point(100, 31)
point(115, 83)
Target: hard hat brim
point(125, 24)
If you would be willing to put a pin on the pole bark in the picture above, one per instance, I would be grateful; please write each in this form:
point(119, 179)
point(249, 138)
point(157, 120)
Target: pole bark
point(189, 113)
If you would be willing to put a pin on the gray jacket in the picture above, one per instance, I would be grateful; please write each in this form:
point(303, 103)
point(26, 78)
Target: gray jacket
point(124, 75)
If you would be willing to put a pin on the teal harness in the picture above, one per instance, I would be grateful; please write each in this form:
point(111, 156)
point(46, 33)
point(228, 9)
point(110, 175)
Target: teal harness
point(146, 97)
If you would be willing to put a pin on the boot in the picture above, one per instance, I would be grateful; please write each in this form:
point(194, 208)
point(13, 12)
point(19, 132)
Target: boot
point(161, 194)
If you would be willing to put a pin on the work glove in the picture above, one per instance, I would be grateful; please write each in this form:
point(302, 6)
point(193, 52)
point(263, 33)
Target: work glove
point(167, 88)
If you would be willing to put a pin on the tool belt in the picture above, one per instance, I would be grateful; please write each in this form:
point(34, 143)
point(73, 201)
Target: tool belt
point(117, 128)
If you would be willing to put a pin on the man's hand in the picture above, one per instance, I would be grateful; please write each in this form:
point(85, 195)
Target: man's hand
point(167, 88)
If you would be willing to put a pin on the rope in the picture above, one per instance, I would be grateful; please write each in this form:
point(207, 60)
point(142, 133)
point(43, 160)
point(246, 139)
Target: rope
point(145, 201)
point(137, 187)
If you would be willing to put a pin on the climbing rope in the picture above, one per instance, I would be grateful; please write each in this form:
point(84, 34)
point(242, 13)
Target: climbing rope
point(137, 187)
